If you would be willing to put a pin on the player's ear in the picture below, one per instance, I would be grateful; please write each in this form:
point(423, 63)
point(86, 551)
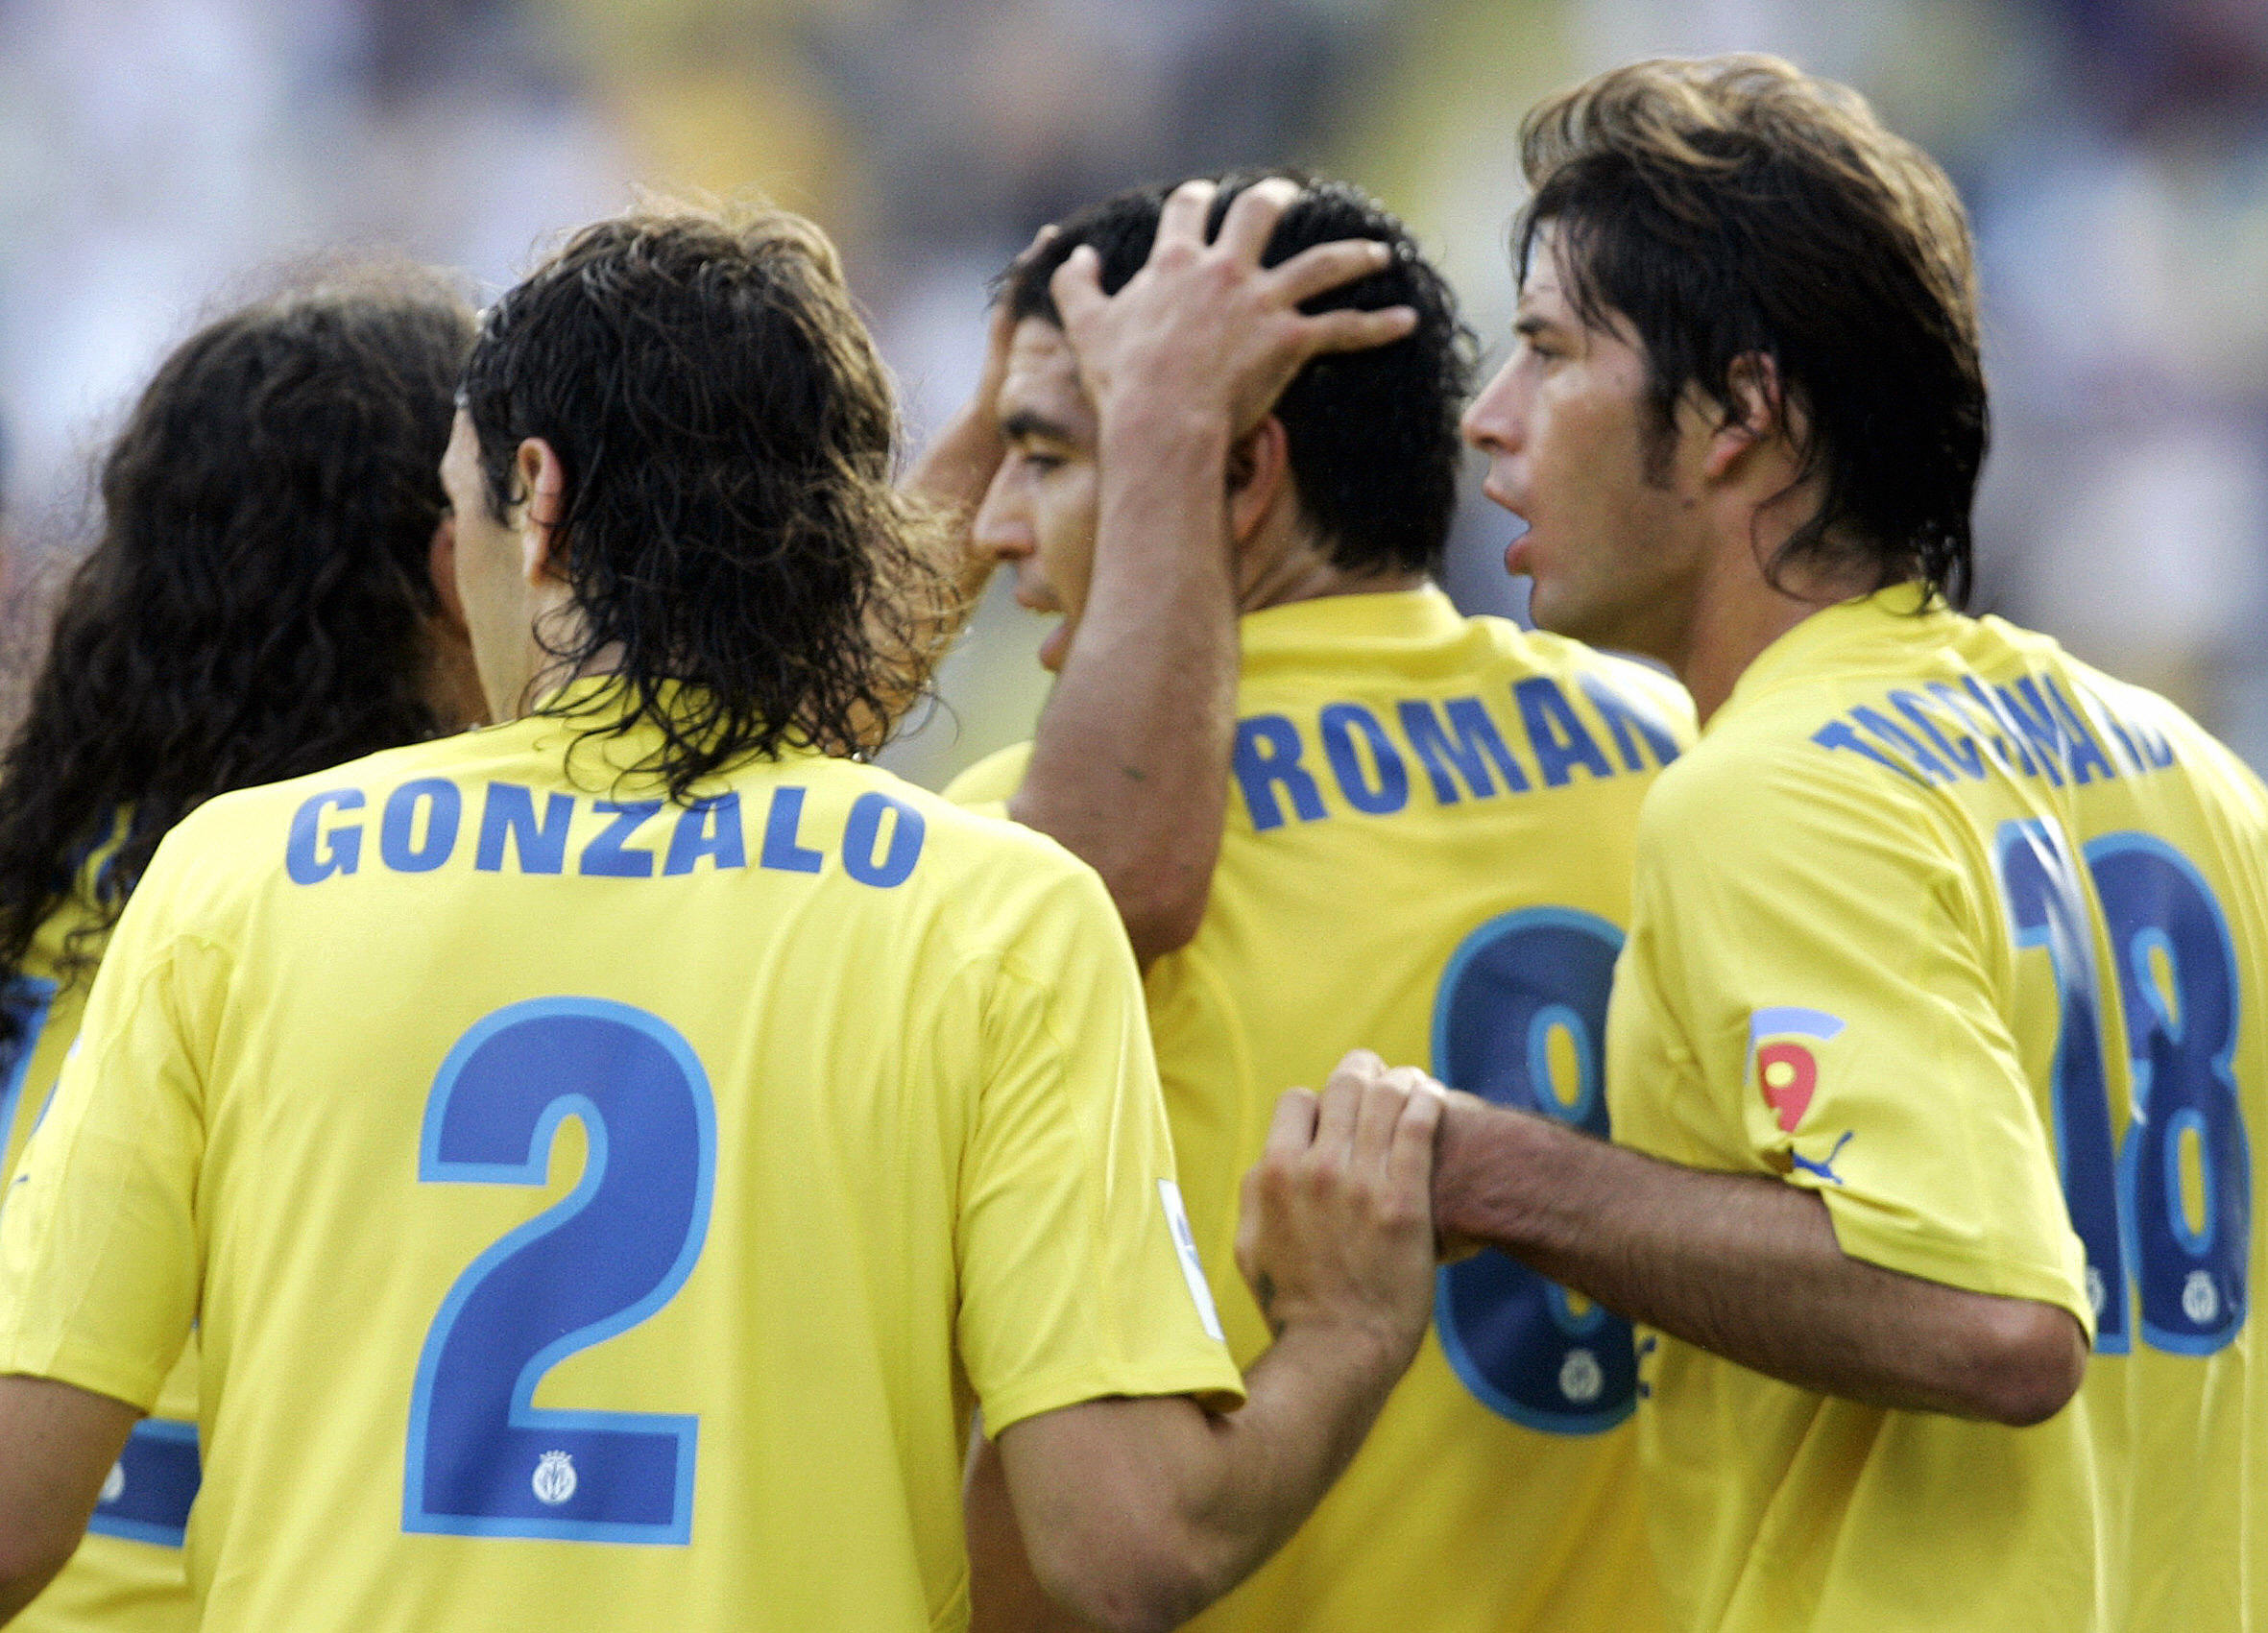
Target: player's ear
point(1259, 477)
point(542, 478)
point(1755, 411)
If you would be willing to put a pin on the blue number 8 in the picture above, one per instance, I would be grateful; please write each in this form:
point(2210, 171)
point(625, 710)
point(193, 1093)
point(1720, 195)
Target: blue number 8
point(483, 1460)
point(1519, 1341)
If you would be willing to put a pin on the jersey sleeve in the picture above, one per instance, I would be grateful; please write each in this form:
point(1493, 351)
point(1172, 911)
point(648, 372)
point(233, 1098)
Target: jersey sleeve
point(1822, 954)
point(1079, 1276)
point(99, 1263)
point(987, 786)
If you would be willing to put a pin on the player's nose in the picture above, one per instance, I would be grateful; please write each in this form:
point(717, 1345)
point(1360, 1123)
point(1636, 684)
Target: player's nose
point(1491, 420)
point(1001, 532)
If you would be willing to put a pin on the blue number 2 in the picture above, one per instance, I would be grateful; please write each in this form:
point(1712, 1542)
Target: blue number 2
point(2177, 989)
point(1519, 985)
point(483, 1460)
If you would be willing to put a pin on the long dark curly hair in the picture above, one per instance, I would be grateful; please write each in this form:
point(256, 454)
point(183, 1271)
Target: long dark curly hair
point(738, 559)
point(255, 605)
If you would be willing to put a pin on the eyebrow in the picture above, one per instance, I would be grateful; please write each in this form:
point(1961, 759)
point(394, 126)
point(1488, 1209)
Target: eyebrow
point(1025, 424)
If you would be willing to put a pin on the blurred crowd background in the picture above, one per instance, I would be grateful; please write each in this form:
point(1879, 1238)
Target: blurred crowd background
point(160, 158)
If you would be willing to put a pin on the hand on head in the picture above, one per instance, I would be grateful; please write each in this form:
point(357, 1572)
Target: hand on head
point(1205, 327)
point(1000, 329)
point(1337, 1217)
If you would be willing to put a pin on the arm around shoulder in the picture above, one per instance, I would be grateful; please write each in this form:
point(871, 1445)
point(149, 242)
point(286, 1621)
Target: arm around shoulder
point(1749, 1268)
point(1137, 1513)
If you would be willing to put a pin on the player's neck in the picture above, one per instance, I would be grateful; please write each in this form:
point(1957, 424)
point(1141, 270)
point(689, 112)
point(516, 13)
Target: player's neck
point(1737, 613)
point(1298, 569)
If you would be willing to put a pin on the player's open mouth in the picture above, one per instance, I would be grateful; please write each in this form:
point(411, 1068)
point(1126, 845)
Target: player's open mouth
point(1515, 553)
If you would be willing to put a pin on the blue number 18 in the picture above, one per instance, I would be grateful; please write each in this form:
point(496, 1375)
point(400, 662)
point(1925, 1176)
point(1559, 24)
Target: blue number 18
point(483, 1460)
point(2177, 989)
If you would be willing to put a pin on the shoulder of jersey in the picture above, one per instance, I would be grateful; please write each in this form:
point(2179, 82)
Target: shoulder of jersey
point(1548, 653)
point(947, 815)
point(242, 812)
point(1757, 772)
point(2196, 744)
point(2044, 651)
point(993, 780)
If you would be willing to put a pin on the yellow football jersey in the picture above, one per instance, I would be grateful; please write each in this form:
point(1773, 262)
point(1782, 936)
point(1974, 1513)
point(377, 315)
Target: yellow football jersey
point(599, 1211)
point(1968, 938)
point(128, 1576)
point(1430, 821)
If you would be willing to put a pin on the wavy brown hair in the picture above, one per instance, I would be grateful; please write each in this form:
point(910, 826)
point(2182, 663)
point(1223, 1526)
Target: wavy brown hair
point(1732, 207)
point(255, 602)
point(738, 562)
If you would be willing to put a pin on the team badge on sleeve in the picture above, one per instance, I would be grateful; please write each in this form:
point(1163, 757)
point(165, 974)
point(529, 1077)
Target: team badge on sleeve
point(1783, 1045)
point(1787, 1070)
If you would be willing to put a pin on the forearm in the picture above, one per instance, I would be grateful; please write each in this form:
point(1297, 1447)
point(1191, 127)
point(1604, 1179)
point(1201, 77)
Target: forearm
point(1129, 768)
point(18, 1590)
point(951, 475)
point(1138, 1514)
point(56, 1444)
point(1004, 1591)
point(950, 478)
point(1310, 1400)
point(1745, 1267)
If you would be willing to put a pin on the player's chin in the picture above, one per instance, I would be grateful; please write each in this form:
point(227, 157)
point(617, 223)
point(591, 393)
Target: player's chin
point(1552, 604)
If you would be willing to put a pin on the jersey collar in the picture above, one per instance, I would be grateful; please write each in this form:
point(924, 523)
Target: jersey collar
point(594, 703)
point(1832, 637)
point(1424, 617)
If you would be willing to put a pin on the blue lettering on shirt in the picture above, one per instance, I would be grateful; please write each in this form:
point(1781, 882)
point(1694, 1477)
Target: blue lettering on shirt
point(1477, 745)
point(1841, 735)
point(1558, 739)
point(1964, 754)
point(2034, 726)
point(2012, 751)
point(1625, 718)
point(1891, 733)
point(708, 828)
point(1467, 748)
point(398, 846)
point(863, 829)
point(605, 856)
point(1266, 757)
point(2086, 756)
point(510, 812)
point(782, 851)
point(2157, 749)
point(422, 820)
point(311, 855)
point(2100, 713)
point(1339, 723)
point(1957, 709)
